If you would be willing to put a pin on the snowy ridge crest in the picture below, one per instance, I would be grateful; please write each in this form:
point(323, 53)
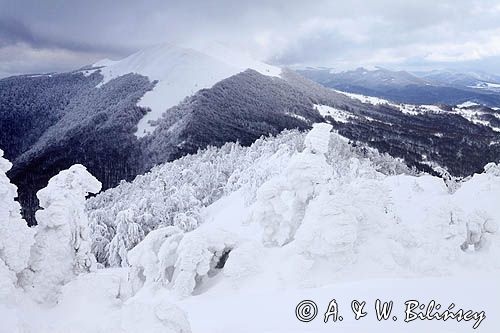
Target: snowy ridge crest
point(179, 72)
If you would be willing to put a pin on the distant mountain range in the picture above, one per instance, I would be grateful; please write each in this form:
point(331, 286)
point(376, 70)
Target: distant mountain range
point(434, 87)
point(120, 118)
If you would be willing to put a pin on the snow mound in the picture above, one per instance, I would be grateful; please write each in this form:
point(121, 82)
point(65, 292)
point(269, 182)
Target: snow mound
point(180, 73)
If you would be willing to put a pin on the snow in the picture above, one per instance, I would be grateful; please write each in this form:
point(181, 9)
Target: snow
point(465, 110)
point(467, 104)
point(180, 73)
point(269, 290)
point(410, 109)
point(281, 201)
point(324, 224)
point(296, 116)
point(338, 115)
point(472, 114)
point(272, 310)
point(486, 85)
point(365, 99)
point(62, 240)
point(15, 236)
point(89, 72)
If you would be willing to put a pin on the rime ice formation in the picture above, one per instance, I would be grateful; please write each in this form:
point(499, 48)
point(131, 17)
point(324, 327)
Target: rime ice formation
point(15, 236)
point(62, 241)
point(281, 201)
point(128, 234)
point(180, 261)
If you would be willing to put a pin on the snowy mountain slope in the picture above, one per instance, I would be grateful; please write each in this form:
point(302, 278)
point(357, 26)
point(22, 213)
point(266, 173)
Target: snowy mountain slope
point(54, 122)
point(435, 87)
point(461, 79)
point(179, 73)
point(471, 111)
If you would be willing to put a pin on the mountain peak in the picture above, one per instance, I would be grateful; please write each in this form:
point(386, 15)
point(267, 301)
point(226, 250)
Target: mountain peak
point(180, 72)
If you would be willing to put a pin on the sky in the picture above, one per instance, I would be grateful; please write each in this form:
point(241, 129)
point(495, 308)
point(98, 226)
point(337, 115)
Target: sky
point(54, 35)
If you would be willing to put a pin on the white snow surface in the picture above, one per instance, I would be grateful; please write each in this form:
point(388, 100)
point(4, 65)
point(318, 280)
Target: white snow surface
point(180, 73)
point(338, 115)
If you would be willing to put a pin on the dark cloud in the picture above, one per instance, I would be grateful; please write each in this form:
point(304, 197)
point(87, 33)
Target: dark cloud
point(61, 35)
point(14, 32)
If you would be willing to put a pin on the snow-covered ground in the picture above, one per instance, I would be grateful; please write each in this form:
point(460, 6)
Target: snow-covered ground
point(338, 115)
point(313, 221)
point(486, 86)
point(180, 72)
point(468, 110)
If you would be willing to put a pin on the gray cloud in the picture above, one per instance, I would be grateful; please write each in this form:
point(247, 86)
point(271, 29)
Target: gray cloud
point(60, 35)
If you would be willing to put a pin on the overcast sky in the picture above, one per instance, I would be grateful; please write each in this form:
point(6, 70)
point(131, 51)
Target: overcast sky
point(55, 35)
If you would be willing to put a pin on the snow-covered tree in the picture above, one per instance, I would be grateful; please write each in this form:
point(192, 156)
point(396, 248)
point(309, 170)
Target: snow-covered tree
point(199, 255)
point(175, 193)
point(452, 183)
point(281, 201)
point(128, 234)
point(329, 229)
point(492, 169)
point(62, 246)
point(178, 260)
point(144, 259)
point(479, 228)
point(16, 237)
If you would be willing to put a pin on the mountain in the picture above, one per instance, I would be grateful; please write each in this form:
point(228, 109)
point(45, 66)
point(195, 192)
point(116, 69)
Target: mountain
point(100, 116)
point(459, 79)
point(179, 72)
point(435, 87)
point(120, 118)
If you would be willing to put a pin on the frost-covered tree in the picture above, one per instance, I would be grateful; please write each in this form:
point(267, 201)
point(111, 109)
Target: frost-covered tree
point(492, 169)
point(16, 237)
point(198, 256)
point(62, 246)
point(174, 193)
point(177, 260)
point(452, 183)
point(281, 202)
point(128, 234)
point(479, 228)
point(329, 229)
point(144, 259)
